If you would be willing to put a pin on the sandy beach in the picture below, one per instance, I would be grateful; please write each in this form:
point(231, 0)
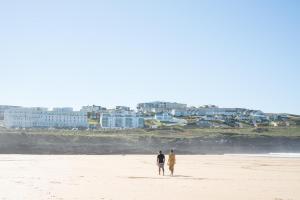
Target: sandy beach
point(228, 177)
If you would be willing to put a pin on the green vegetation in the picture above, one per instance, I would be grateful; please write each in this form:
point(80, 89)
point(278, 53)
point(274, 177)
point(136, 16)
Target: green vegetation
point(294, 119)
point(169, 132)
point(148, 141)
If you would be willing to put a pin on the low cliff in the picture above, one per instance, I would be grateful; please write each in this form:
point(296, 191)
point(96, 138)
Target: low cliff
point(45, 143)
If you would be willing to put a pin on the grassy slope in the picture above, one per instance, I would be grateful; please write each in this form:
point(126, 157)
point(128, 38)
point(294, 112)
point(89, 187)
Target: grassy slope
point(176, 132)
point(142, 141)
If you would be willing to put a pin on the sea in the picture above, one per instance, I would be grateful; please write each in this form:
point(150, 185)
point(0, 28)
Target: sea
point(275, 155)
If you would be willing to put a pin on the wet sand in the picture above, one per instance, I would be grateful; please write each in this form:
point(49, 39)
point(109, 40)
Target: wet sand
point(228, 177)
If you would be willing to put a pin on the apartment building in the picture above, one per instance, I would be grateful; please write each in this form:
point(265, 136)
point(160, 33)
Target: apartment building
point(160, 107)
point(43, 118)
point(121, 120)
point(3, 108)
point(93, 108)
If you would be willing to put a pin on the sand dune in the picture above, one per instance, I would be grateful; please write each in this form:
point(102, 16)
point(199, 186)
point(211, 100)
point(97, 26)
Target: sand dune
point(131, 177)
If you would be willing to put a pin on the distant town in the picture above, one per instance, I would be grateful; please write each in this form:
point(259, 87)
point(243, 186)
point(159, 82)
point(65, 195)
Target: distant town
point(150, 115)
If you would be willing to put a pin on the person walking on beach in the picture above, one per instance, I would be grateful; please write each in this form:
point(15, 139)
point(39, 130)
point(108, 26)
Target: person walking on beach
point(161, 162)
point(171, 161)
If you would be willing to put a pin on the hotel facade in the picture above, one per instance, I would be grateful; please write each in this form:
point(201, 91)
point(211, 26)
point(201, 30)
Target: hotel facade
point(43, 118)
point(121, 120)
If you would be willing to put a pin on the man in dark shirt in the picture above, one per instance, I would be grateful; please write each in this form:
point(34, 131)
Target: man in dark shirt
point(161, 162)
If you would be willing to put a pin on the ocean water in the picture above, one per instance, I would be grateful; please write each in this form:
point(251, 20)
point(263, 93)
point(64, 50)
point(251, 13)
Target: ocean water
point(274, 155)
point(285, 155)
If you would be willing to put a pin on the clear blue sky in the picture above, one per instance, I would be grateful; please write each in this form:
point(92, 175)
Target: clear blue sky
point(73, 53)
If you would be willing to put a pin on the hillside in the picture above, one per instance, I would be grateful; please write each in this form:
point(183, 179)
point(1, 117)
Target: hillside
point(185, 141)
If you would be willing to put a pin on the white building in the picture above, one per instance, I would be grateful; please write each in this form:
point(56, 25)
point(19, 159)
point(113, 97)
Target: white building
point(159, 106)
point(258, 116)
point(169, 120)
point(92, 108)
point(163, 117)
point(121, 120)
point(123, 108)
point(43, 118)
point(207, 110)
point(3, 108)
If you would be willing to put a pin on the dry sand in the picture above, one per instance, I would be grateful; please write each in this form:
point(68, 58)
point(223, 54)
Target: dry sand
point(135, 177)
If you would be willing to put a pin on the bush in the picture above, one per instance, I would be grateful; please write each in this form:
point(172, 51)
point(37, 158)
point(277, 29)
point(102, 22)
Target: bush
point(261, 130)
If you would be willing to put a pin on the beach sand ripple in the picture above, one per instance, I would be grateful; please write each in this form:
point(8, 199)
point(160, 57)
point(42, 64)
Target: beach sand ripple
point(226, 177)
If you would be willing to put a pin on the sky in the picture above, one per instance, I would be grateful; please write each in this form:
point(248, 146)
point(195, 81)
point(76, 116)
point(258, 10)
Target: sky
point(235, 53)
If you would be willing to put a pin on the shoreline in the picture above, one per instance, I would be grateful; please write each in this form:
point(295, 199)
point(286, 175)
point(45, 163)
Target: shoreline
point(268, 155)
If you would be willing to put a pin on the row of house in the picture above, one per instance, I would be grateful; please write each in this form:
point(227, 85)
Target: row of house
point(123, 117)
point(208, 110)
point(212, 111)
point(181, 110)
point(87, 117)
point(208, 115)
point(159, 107)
